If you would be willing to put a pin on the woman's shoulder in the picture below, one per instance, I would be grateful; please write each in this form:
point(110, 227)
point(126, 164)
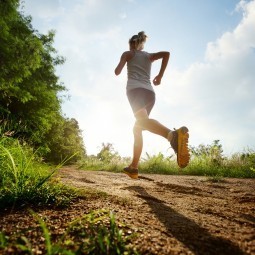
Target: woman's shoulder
point(146, 54)
point(128, 54)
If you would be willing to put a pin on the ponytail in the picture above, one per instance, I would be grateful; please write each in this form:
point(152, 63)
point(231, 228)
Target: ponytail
point(138, 40)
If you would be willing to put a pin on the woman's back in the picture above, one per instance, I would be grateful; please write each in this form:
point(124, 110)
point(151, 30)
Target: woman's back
point(139, 71)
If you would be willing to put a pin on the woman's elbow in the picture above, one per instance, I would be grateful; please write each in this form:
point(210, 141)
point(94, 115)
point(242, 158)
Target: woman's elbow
point(116, 71)
point(166, 55)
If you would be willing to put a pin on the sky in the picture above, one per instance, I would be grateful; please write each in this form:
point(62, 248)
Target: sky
point(209, 83)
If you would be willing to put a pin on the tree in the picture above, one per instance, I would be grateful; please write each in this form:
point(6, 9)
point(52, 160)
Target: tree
point(29, 86)
point(65, 141)
point(20, 50)
point(30, 104)
point(107, 153)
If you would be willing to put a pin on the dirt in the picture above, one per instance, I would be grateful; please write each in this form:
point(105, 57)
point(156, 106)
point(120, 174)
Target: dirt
point(169, 214)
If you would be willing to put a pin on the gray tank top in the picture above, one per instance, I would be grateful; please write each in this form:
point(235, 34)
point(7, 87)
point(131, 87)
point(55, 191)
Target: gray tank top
point(139, 71)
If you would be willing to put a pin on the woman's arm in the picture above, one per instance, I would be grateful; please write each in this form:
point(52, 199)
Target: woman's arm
point(164, 55)
point(123, 60)
point(125, 57)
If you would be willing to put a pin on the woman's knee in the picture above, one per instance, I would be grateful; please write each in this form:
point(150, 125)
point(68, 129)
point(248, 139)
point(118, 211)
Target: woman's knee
point(141, 114)
point(143, 123)
point(137, 130)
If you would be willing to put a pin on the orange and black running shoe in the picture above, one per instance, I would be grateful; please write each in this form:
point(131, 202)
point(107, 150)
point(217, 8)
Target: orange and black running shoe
point(179, 143)
point(131, 172)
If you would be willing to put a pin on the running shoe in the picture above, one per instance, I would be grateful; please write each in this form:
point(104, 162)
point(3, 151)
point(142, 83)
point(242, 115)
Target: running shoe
point(131, 172)
point(179, 143)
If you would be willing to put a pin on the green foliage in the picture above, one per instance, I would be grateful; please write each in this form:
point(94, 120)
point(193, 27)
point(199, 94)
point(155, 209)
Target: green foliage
point(107, 153)
point(65, 140)
point(209, 160)
point(3, 240)
point(25, 180)
point(212, 152)
point(107, 159)
point(93, 163)
point(32, 100)
point(19, 49)
point(30, 105)
point(206, 160)
point(94, 233)
point(158, 164)
point(9, 127)
point(101, 234)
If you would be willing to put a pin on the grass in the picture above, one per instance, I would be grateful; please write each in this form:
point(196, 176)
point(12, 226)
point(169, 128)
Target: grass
point(234, 166)
point(26, 180)
point(116, 164)
point(94, 233)
point(205, 161)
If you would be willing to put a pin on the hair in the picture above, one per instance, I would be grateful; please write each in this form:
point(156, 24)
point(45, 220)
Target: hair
point(138, 40)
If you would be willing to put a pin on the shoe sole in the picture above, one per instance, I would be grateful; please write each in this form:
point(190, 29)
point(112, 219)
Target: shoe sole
point(131, 175)
point(183, 155)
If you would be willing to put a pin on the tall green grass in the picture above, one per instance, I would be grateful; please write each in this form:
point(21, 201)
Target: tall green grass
point(236, 166)
point(24, 179)
point(115, 164)
point(206, 160)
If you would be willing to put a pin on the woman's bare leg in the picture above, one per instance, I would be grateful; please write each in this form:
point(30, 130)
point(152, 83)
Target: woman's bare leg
point(138, 146)
point(144, 123)
point(153, 126)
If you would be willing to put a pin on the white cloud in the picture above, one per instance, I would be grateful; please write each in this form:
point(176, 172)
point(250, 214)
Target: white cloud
point(241, 40)
point(217, 95)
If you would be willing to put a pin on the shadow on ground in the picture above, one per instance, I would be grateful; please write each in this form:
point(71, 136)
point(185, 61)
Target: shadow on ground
point(196, 238)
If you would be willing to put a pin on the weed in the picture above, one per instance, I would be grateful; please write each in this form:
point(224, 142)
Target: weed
point(3, 240)
point(94, 233)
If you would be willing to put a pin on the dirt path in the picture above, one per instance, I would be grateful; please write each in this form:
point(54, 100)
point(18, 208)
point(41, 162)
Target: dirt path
point(178, 214)
point(167, 214)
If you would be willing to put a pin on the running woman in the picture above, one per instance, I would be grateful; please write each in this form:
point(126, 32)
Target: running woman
point(141, 96)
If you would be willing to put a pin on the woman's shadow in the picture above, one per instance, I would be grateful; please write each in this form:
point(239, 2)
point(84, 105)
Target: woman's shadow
point(196, 238)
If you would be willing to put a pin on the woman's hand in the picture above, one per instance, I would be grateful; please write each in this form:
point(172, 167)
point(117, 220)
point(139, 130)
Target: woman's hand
point(164, 55)
point(157, 80)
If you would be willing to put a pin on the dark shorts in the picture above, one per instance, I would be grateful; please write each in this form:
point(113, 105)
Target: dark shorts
point(141, 99)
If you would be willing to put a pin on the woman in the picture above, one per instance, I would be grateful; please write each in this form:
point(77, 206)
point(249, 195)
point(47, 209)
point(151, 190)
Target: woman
point(141, 97)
